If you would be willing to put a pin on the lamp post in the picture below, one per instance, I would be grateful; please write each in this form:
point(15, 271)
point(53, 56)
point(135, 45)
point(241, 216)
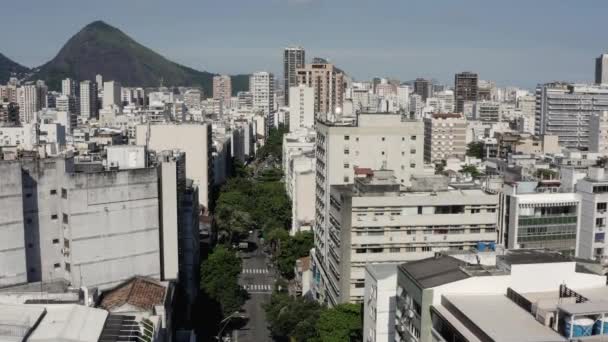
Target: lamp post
point(225, 321)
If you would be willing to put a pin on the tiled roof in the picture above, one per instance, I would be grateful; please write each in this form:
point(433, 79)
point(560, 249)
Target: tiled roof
point(140, 292)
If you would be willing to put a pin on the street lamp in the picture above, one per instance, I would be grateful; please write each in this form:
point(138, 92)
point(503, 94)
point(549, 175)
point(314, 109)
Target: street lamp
point(226, 320)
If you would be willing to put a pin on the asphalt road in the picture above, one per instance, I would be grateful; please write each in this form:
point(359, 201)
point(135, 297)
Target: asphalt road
point(258, 279)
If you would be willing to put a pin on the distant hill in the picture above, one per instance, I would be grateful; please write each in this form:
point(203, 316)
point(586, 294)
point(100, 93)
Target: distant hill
point(103, 49)
point(9, 68)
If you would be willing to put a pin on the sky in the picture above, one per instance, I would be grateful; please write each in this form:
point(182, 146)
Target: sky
point(514, 42)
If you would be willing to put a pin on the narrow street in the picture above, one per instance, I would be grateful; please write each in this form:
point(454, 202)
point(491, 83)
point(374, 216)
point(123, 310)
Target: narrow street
point(258, 279)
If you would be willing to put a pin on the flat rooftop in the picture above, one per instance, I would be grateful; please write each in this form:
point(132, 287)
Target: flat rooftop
point(532, 256)
point(16, 321)
point(70, 323)
point(499, 319)
point(437, 271)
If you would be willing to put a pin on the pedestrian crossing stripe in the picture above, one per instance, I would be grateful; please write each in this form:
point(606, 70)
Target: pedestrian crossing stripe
point(258, 287)
point(255, 270)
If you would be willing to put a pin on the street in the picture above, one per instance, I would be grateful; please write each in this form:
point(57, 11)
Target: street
point(258, 279)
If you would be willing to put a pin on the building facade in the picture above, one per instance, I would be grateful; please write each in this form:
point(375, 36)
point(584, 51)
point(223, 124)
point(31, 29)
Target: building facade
point(328, 84)
point(88, 100)
point(293, 59)
point(601, 69)
point(301, 108)
point(261, 86)
point(465, 89)
point(444, 137)
point(222, 89)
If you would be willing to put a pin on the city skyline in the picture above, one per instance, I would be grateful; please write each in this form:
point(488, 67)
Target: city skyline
point(386, 38)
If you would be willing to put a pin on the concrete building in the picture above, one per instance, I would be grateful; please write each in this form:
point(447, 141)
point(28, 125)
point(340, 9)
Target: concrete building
point(194, 140)
point(328, 84)
point(192, 99)
point(465, 89)
point(525, 296)
point(379, 304)
point(598, 133)
point(535, 219)
point(299, 168)
point(69, 87)
point(374, 221)
point(222, 89)
point(261, 86)
point(564, 110)
point(13, 268)
point(487, 111)
point(9, 114)
point(444, 137)
point(301, 108)
point(29, 103)
point(24, 137)
point(67, 103)
point(593, 192)
point(293, 59)
point(124, 157)
point(601, 69)
point(424, 88)
point(112, 95)
point(88, 100)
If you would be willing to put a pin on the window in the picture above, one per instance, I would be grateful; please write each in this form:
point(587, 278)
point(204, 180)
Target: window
point(30, 245)
point(65, 218)
point(346, 137)
point(64, 193)
point(412, 165)
point(53, 192)
point(419, 210)
point(28, 220)
point(359, 285)
point(360, 250)
point(54, 217)
point(357, 139)
point(346, 151)
point(601, 206)
point(599, 237)
point(413, 137)
point(402, 138)
point(346, 179)
point(375, 250)
point(395, 250)
point(475, 230)
point(599, 222)
point(56, 265)
point(383, 138)
point(475, 211)
point(382, 152)
point(55, 241)
point(410, 249)
point(28, 195)
point(491, 210)
point(426, 249)
point(413, 151)
point(68, 267)
point(32, 270)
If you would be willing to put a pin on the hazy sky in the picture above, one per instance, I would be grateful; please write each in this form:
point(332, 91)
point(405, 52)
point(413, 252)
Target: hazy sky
point(512, 42)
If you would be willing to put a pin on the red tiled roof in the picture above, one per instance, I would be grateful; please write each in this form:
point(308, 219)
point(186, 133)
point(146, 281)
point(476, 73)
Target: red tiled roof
point(140, 292)
point(363, 171)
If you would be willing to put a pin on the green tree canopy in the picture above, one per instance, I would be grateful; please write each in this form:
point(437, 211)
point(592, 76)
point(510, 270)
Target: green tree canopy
point(339, 323)
point(476, 149)
point(470, 169)
point(219, 279)
point(293, 248)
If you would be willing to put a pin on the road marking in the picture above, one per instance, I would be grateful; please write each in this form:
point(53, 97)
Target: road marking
point(258, 287)
point(255, 271)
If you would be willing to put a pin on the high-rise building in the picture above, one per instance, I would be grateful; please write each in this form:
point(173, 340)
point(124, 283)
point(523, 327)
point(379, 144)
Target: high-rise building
point(564, 110)
point(261, 86)
point(486, 111)
point(69, 87)
point(465, 89)
point(346, 149)
point(601, 69)
point(328, 84)
point(301, 108)
point(9, 114)
point(111, 95)
point(99, 82)
point(192, 98)
point(445, 136)
point(88, 99)
point(222, 89)
point(598, 133)
point(27, 98)
point(293, 59)
point(593, 190)
point(66, 103)
point(423, 87)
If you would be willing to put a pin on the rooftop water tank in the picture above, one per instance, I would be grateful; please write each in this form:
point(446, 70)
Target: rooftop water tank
point(581, 327)
point(597, 327)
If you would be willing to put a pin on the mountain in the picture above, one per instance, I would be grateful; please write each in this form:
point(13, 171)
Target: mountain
point(103, 49)
point(8, 69)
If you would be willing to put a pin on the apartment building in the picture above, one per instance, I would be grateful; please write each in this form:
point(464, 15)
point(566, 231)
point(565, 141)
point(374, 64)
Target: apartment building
point(445, 137)
point(593, 192)
point(293, 58)
point(261, 86)
point(465, 89)
point(379, 302)
point(565, 110)
point(29, 103)
point(88, 100)
point(222, 89)
point(112, 95)
point(487, 111)
point(195, 139)
point(525, 295)
point(601, 69)
point(328, 84)
point(375, 221)
point(598, 133)
point(301, 107)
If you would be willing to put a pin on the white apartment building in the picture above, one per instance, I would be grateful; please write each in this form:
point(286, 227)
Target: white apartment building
point(532, 219)
point(29, 103)
point(301, 107)
point(593, 192)
point(261, 86)
point(379, 302)
point(192, 99)
point(444, 137)
point(525, 296)
point(375, 221)
point(416, 105)
point(68, 87)
point(24, 137)
point(88, 100)
point(403, 96)
point(193, 139)
point(112, 95)
point(598, 133)
point(446, 100)
point(565, 110)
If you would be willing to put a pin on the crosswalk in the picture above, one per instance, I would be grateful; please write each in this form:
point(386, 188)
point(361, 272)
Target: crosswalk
point(258, 287)
point(255, 271)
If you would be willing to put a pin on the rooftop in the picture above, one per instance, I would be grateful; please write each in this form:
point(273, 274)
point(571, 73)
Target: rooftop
point(499, 319)
point(140, 292)
point(435, 271)
point(70, 323)
point(532, 256)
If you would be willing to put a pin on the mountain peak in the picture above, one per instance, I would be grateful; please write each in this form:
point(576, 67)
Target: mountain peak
point(9, 68)
point(98, 25)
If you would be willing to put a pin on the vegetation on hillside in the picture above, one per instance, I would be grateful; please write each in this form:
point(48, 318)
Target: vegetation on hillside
point(9, 68)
